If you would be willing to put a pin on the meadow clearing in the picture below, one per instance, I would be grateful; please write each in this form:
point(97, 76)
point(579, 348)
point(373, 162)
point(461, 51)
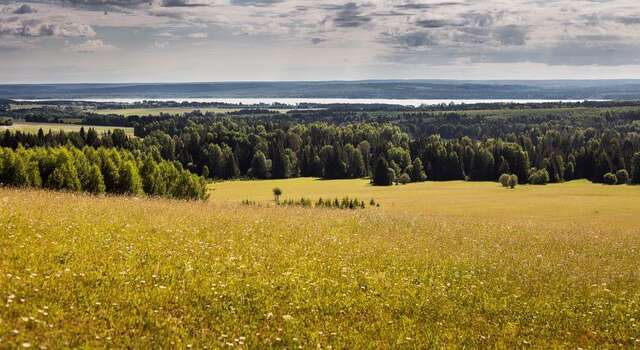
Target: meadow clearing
point(33, 128)
point(437, 265)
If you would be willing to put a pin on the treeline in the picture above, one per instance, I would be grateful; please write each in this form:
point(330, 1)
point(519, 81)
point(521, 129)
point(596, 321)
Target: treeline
point(89, 137)
point(227, 148)
point(224, 147)
point(102, 170)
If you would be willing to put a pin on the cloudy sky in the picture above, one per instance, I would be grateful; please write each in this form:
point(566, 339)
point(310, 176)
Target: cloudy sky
point(239, 40)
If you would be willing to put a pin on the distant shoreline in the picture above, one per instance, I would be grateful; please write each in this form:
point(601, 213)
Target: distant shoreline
point(401, 91)
point(297, 101)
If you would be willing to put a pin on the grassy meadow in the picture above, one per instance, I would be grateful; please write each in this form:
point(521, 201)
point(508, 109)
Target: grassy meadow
point(27, 127)
point(574, 202)
point(437, 265)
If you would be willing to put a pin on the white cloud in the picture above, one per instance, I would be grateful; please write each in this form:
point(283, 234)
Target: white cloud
point(90, 46)
point(36, 28)
point(198, 35)
point(161, 44)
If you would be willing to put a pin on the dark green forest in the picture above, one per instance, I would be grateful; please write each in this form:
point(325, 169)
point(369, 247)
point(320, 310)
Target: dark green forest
point(538, 145)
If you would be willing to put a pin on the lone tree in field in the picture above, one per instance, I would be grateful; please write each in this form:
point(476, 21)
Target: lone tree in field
point(383, 176)
point(277, 192)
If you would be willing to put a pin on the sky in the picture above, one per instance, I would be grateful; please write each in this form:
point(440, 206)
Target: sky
point(65, 41)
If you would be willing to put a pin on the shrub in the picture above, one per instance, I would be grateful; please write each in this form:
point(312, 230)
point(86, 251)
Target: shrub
point(513, 181)
point(539, 177)
point(404, 179)
point(336, 203)
point(504, 180)
point(622, 176)
point(610, 179)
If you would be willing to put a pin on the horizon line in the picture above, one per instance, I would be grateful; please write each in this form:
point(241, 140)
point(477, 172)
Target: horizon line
point(316, 81)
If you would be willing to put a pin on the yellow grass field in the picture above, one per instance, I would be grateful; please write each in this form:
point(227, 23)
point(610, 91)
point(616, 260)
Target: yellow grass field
point(449, 265)
point(575, 202)
point(55, 127)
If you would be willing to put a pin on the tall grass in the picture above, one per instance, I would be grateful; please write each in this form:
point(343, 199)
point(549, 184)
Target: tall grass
point(81, 271)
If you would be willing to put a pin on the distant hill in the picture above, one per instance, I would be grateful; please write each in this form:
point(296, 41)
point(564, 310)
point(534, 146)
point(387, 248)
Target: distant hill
point(370, 89)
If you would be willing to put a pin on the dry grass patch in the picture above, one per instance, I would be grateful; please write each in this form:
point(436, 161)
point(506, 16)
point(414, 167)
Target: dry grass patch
point(79, 271)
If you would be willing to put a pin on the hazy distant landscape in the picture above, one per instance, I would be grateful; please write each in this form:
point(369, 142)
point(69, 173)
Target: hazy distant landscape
point(374, 89)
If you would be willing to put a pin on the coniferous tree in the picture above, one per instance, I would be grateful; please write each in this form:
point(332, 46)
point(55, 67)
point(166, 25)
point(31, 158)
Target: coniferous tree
point(383, 175)
point(417, 172)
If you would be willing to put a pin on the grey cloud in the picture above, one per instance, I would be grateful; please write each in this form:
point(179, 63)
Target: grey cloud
point(471, 36)
point(597, 19)
point(578, 51)
point(316, 41)
point(416, 39)
point(423, 6)
point(629, 20)
point(103, 4)
point(411, 40)
point(389, 14)
point(511, 35)
point(181, 3)
point(436, 23)
point(481, 19)
point(24, 9)
point(349, 15)
point(259, 3)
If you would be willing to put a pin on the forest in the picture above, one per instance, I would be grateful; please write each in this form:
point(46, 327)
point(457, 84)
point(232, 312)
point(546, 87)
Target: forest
point(538, 145)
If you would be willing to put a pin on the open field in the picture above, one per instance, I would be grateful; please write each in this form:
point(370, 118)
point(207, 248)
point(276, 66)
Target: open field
point(437, 265)
point(567, 203)
point(54, 127)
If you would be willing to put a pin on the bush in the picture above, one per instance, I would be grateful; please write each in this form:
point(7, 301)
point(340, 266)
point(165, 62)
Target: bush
point(610, 179)
point(622, 176)
point(504, 180)
point(513, 181)
point(277, 192)
point(336, 203)
point(404, 179)
point(539, 177)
